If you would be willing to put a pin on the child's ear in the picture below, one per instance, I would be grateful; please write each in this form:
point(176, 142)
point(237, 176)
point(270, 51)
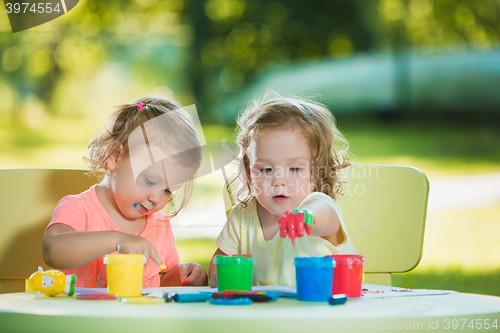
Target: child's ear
point(115, 158)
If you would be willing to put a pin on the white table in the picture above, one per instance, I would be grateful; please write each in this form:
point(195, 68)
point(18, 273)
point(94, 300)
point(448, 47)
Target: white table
point(22, 312)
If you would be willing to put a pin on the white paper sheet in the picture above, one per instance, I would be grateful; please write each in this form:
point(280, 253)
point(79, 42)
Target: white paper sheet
point(378, 291)
point(369, 291)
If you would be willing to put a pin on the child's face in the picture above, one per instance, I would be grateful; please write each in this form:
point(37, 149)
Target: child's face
point(280, 169)
point(149, 193)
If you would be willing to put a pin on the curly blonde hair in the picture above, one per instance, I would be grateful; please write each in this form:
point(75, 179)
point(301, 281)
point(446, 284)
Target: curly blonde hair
point(328, 145)
point(127, 118)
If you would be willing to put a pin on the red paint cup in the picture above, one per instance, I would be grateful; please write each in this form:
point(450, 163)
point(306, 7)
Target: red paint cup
point(348, 274)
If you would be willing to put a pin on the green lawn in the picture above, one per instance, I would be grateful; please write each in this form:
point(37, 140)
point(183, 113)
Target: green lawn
point(438, 147)
point(460, 252)
point(463, 280)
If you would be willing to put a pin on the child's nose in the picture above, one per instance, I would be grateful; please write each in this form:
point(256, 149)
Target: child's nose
point(156, 196)
point(279, 180)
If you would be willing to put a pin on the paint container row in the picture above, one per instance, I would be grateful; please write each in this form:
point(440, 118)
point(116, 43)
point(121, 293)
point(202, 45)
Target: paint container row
point(318, 278)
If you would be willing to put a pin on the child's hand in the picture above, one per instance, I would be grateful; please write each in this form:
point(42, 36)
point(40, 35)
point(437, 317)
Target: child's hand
point(130, 244)
point(213, 280)
point(293, 224)
point(192, 274)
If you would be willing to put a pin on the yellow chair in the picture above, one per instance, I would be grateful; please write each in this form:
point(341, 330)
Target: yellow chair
point(28, 197)
point(384, 211)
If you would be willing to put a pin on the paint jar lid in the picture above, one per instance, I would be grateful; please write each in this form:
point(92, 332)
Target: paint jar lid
point(348, 259)
point(124, 259)
point(317, 262)
point(233, 260)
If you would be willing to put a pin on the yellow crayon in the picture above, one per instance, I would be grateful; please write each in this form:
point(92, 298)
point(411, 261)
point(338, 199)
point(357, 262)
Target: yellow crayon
point(142, 300)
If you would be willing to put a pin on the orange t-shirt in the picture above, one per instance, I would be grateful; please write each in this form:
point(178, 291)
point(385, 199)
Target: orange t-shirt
point(84, 212)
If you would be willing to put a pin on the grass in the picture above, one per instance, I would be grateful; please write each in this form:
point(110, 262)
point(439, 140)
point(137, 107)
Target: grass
point(439, 146)
point(56, 143)
point(458, 279)
point(466, 238)
point(199, 250)
point(460, 253)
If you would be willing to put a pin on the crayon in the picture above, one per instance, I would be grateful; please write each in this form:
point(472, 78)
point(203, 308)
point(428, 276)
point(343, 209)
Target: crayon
point(337, 299)
point(253, 297)
point(93, 297)
point(142, 300)
point(194, 297)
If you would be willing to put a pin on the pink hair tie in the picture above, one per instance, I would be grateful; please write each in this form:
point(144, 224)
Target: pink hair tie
point(140, 106)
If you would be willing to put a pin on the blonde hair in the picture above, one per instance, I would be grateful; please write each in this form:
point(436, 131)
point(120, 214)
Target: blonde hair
point(328, 145)
point(127, 118)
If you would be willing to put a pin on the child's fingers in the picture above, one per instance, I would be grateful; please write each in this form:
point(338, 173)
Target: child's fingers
point(154, 255)
point(196, 277)
point(184, 271)
point(299, 219)
point(291, 226)
point(283, 225)
point(309, 221)
point(213, 280)
point(295, 224)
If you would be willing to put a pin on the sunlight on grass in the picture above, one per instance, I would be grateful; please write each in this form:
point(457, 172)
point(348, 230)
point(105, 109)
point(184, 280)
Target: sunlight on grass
point(462, 238)
point(437, 147)
point(199, 250)
point(61, 143)
point(468, 281)
point(217, 133)
point(460, 253)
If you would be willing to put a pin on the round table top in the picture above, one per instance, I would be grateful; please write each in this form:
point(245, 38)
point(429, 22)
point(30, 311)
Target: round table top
point(22, 312)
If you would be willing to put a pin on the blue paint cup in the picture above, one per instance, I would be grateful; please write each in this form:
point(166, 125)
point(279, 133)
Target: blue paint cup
point(314, 278)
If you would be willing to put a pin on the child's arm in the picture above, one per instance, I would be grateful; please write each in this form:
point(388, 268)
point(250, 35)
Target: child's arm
point(212, 269)
point(326, 220)
point(65, 248)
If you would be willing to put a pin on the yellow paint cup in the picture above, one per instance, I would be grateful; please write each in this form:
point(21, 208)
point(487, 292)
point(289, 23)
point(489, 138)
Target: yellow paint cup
point(124, 274)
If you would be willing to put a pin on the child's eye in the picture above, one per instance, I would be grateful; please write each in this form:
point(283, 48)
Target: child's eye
point(266, 169)
point(295, 169)
point(168, 191)
point(150, 182)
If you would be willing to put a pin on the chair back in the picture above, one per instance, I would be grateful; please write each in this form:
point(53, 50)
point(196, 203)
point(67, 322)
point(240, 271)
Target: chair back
point(384, 210)
point(27, 199)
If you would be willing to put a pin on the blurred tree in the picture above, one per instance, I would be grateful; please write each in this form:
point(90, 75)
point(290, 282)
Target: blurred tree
point(106, 52)
point(238, 39)
point(99, 54)
point(428, 26)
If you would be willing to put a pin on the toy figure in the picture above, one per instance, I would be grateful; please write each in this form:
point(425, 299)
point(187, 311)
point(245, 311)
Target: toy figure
point(52, 283)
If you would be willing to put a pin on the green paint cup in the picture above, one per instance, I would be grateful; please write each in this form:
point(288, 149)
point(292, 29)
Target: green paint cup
point(234, 272)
